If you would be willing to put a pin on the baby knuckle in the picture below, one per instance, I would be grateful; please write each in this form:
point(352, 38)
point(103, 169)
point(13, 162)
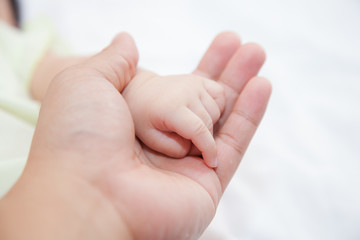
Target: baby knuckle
point(217, 114)
point(209, 124)
point(200, 129)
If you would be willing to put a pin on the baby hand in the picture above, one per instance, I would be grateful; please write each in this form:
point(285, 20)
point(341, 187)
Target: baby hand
point(172, 112)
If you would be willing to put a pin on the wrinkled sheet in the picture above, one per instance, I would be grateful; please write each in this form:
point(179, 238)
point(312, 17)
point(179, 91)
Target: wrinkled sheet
point(300, 176)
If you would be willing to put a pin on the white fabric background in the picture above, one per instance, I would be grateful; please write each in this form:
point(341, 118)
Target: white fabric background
point(300, 177)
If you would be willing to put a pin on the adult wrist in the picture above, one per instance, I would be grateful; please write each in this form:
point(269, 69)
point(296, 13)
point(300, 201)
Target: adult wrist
point(49, 204)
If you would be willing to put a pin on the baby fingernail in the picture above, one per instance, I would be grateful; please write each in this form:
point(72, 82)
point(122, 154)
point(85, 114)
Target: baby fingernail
point(214, 163)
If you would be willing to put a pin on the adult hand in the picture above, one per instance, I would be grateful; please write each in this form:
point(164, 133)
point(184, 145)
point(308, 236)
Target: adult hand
point(90, 178)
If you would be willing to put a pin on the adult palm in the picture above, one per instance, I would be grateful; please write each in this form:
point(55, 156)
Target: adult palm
point(86, 130)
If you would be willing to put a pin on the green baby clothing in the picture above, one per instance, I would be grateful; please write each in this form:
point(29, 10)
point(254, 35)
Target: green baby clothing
point(20, 52)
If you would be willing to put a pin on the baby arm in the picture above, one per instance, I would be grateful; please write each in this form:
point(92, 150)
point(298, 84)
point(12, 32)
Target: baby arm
point(172, 112)
point(49, 66)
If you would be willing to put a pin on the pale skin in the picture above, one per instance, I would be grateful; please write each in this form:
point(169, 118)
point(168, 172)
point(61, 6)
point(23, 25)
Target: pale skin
point(183, 112)
point(172, 112)
point(48, 67)
point(88, 177)
point(6, 13)
point(173, 142)
point(169, 112)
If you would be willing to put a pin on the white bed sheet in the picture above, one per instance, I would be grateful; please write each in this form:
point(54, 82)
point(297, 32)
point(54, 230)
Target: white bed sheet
point(300, 177)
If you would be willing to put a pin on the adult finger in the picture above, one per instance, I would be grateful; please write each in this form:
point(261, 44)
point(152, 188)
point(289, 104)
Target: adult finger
point(218, 54)
point(89, 104)
point(244, 65)
point(235, 135)
point(117, 63)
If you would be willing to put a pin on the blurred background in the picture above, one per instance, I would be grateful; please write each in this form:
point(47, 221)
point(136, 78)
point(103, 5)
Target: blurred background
point(300, 177)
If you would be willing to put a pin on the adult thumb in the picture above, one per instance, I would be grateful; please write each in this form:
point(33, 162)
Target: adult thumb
point(117, 62)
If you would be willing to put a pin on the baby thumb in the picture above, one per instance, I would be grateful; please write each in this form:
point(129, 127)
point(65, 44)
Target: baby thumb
point(117, 62)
